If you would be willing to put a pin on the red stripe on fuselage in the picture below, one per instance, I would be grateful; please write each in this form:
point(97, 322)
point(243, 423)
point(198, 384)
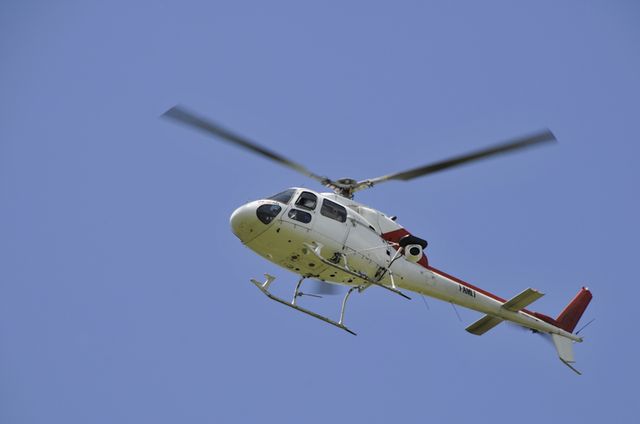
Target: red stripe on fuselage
point(464, 283)
point(538, 315)
point(396, 235)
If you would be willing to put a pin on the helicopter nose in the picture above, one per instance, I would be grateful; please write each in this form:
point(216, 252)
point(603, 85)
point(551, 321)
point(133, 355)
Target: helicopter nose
point(247, 222)
point(243, 222)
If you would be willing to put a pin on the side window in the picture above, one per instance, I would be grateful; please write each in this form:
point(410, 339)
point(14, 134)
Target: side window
point(307, 200)
point(333, 210)
point(298, 215)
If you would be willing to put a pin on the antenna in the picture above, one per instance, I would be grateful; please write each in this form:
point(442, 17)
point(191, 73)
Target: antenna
point(456, 311)
point(425, 302)
point(584, 326)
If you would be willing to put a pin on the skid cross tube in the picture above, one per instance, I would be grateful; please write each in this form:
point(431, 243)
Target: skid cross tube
point(264, 288)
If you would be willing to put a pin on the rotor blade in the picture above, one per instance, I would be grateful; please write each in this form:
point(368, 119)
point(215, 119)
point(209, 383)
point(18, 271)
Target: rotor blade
point(520, 143)
point(187, 118)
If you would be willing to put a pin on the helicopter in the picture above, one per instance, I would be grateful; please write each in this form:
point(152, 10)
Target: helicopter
point(331, 238)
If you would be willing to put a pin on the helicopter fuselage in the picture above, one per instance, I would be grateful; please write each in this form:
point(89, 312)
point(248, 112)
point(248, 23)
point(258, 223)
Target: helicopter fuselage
point(285, 228)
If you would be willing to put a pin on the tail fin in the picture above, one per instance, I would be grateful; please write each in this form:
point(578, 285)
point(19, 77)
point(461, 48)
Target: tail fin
point(569, 317)
point(564, 347)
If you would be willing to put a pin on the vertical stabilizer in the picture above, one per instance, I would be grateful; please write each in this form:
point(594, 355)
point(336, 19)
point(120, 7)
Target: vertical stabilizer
point(564, 347)
point(569, 317)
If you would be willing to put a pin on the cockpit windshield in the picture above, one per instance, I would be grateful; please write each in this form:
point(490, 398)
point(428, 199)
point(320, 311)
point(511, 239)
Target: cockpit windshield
point(283, 197)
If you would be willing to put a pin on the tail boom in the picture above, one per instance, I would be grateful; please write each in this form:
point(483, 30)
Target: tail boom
point(448, 288)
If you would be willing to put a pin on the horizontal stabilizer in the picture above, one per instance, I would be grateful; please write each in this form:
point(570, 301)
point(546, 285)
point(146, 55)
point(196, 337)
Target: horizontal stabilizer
point(483, 325)
point(522, 300)
point(515, 304)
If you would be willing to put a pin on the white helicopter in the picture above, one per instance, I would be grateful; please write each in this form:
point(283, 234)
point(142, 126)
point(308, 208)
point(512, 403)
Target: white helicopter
point(334, 239)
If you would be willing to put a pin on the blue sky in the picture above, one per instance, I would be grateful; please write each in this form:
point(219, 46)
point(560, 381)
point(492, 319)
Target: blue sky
point(124, 297)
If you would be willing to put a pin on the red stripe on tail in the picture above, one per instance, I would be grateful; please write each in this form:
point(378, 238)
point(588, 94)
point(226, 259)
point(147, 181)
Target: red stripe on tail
point(569, 317)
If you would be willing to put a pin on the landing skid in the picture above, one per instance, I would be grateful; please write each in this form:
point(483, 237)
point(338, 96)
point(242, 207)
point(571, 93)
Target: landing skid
point(264, 288)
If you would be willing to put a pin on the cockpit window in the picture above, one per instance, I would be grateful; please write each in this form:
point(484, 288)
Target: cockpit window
point(283, 197)
point(333, 210)
point(266, 213)
point(307, 200)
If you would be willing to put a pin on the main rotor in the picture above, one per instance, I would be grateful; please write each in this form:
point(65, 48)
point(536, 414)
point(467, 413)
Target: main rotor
point(347, 187)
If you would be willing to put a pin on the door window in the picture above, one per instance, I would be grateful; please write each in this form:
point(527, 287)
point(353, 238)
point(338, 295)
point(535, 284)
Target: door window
point(298, 215)
point(307, 200)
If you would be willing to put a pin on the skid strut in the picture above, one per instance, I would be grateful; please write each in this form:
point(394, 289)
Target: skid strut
point(264, 288)
point(376, 281)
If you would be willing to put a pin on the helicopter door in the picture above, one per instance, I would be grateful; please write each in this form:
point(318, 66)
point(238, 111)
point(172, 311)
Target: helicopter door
point(331, 227)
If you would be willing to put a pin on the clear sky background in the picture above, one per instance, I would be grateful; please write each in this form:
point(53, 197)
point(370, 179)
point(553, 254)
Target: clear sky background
point(125, 298)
